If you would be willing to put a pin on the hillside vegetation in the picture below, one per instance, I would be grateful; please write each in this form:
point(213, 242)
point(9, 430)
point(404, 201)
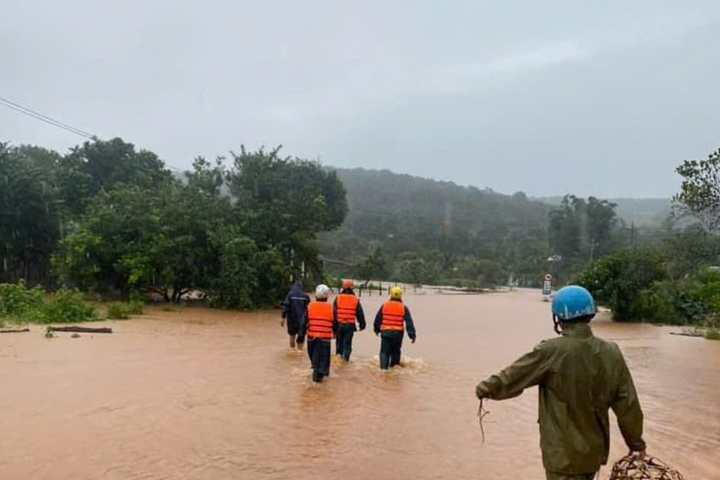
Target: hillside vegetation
point(428, 230)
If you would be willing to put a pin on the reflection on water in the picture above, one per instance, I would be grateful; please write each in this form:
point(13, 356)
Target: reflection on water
point(204, 394)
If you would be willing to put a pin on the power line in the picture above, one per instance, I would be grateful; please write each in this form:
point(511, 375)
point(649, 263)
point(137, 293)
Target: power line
point(44, 118)
point(57, 123)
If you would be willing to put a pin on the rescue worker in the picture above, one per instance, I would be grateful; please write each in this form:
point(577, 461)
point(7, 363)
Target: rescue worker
point(320, 328)
point(580, 377)
point(347, 310)
point(294, 308)
point(390, 323)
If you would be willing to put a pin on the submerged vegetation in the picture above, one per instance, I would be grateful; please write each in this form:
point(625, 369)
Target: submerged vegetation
point(20, 304)
point(124, 310)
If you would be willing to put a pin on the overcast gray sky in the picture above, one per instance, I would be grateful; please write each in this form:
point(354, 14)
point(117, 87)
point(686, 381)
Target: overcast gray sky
point(549, 97)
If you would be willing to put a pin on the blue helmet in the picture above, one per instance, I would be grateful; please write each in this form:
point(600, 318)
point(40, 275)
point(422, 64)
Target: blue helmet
point(572, 302)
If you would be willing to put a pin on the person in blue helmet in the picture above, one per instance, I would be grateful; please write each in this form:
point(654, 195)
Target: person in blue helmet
point(580, 378)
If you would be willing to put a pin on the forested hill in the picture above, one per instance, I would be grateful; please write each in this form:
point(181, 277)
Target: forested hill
point(440, 222)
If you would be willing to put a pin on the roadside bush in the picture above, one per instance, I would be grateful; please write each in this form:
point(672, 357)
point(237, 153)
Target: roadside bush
point(622, 279)
point(712, 327)
point(687, 301)
point(712, 334)
point(124, 310)
point(672, 302)
point(67, 306)
point(19, 302)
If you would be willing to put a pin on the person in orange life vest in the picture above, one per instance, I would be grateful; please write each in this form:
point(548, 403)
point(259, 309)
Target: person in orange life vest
point(320, 327)
point(391, 321)
point(346, 311)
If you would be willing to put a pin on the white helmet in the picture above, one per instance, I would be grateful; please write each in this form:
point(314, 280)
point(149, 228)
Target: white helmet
point(322, 292)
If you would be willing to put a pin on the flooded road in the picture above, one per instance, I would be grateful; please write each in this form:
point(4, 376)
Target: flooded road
point(207, 394)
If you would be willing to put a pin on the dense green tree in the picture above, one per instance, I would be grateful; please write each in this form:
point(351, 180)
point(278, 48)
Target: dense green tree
point(285, 202)
point(156, 240)
point(700, 189)
point(565, 229)
point(99, 165)
point(232, 235)
point(373, 266)
point(618, 280)
point(247, 275)
point(483, 273)
point(29, 220)
point(417, 270)
point(582, 229)
point(691, 249)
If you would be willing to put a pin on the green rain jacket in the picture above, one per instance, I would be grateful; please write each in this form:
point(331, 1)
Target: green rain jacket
point(580, 377)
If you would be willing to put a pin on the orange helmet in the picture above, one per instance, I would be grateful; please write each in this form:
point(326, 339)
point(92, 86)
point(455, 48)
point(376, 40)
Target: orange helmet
point(347, 283)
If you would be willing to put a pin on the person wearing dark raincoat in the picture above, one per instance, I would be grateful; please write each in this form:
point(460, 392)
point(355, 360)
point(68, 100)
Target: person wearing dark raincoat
point(580, 378)
point(294, 309)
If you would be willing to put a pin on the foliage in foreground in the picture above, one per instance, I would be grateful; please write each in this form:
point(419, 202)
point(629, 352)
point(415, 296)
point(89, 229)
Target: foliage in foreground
point(21, 304)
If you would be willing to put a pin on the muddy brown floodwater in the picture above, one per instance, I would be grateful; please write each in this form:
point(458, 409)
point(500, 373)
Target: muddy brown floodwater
point(206, 394)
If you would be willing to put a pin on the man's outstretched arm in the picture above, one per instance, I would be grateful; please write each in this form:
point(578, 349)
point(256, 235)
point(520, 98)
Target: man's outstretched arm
point(528, 370)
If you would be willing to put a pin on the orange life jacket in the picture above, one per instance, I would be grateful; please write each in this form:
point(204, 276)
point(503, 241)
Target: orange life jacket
point(320, 320)
point(393, 316)
point(346, 308)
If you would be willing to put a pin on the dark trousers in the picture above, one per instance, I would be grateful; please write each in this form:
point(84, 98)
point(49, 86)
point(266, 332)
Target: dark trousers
point(293, 328)
point(319, 353)
point(390, 349)
point(343, 340)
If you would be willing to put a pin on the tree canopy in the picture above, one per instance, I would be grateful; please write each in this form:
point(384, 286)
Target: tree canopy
point(114, 219)
point(700, 189)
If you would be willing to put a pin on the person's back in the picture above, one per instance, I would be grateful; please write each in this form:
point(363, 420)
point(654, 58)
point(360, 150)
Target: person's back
point(348, 311)
point(294, 310)
point(580, 378)
point(391, 321)
point(320, 329)
point(584, 377)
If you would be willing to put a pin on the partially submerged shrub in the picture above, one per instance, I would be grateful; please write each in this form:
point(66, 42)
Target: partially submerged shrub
point(124, 310)
point(621, 280)
point(19, 303)
point(712, 327)
point(712, 334)
point(67, 306)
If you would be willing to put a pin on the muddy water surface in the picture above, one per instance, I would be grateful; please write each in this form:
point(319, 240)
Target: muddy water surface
point(204, 394)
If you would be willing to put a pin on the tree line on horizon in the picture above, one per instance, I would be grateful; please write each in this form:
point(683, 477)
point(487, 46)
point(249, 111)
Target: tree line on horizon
point(113, 220)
